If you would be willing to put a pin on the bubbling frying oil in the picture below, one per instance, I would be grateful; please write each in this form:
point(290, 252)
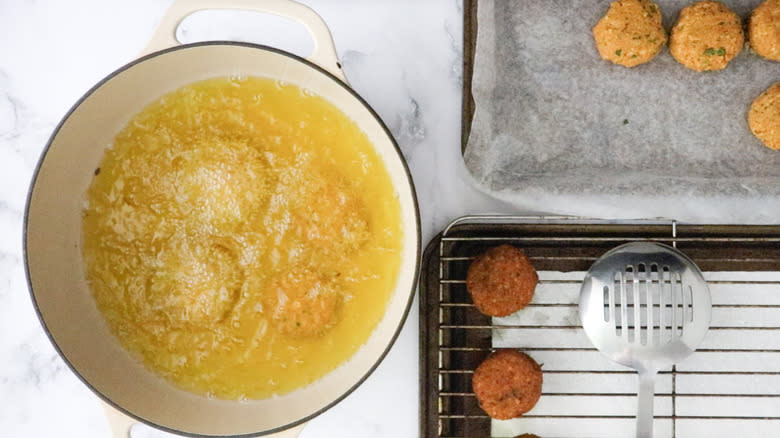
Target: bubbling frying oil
point(242, 237)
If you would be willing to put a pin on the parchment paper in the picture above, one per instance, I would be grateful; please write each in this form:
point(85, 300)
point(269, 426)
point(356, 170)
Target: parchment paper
point(558, 129)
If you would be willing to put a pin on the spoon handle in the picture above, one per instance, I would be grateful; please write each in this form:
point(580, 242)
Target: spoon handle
point(644, 414)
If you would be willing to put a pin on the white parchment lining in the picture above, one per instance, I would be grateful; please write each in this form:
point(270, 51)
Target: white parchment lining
point(557, 129)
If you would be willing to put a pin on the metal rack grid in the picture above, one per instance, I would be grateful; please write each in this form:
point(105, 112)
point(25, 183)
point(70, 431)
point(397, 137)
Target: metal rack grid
point(730, 387)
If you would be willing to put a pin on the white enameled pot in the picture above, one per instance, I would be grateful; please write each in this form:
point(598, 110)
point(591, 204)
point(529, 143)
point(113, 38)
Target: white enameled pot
point(52, 227)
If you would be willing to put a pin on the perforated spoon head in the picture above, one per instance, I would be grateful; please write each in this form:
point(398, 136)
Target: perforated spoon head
point(645, 305)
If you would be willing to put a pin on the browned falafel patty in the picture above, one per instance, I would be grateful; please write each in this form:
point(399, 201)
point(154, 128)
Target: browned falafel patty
point(507, 384)
point(764, 117)
point(764, 30)
point(501, 281)
point(630, 33)
point(707, 36)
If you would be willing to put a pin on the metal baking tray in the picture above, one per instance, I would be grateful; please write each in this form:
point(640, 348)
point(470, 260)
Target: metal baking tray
point(729, 387)
point(568, 124)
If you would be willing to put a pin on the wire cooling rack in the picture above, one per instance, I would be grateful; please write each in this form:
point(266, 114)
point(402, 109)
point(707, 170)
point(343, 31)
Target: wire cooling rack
point(729, 387)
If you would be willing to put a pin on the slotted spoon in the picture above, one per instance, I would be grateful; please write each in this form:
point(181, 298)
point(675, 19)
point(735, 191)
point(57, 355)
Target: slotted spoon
point(646, 306)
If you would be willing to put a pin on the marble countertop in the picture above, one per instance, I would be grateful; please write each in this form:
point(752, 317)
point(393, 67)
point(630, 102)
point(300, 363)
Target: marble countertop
point(403, 57)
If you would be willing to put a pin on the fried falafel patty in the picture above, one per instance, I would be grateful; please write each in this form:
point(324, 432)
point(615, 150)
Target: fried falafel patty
point(507, 384)
point(630, 33)
point(707, 36)
point(764, 30)
point(764, 117)
point(304, 303)
point(501, 281)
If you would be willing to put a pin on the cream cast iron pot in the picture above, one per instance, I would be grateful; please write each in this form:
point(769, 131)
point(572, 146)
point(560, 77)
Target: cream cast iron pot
point(52, 227)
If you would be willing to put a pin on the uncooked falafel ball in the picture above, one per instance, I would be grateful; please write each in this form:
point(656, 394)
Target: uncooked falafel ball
point(630, 33)
point(764, 30)
point(507, 384)
point(501, 281)
point(764, 117)
point(706, 37)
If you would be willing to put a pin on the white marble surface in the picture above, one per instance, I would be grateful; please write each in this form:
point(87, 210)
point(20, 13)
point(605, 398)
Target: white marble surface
point(403, 57)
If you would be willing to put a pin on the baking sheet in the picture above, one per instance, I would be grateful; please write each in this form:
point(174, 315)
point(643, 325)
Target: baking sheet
point(555, 125)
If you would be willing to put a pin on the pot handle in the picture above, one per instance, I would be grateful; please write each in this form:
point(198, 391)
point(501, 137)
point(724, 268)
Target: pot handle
point(324, 54)
point(120, 425)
